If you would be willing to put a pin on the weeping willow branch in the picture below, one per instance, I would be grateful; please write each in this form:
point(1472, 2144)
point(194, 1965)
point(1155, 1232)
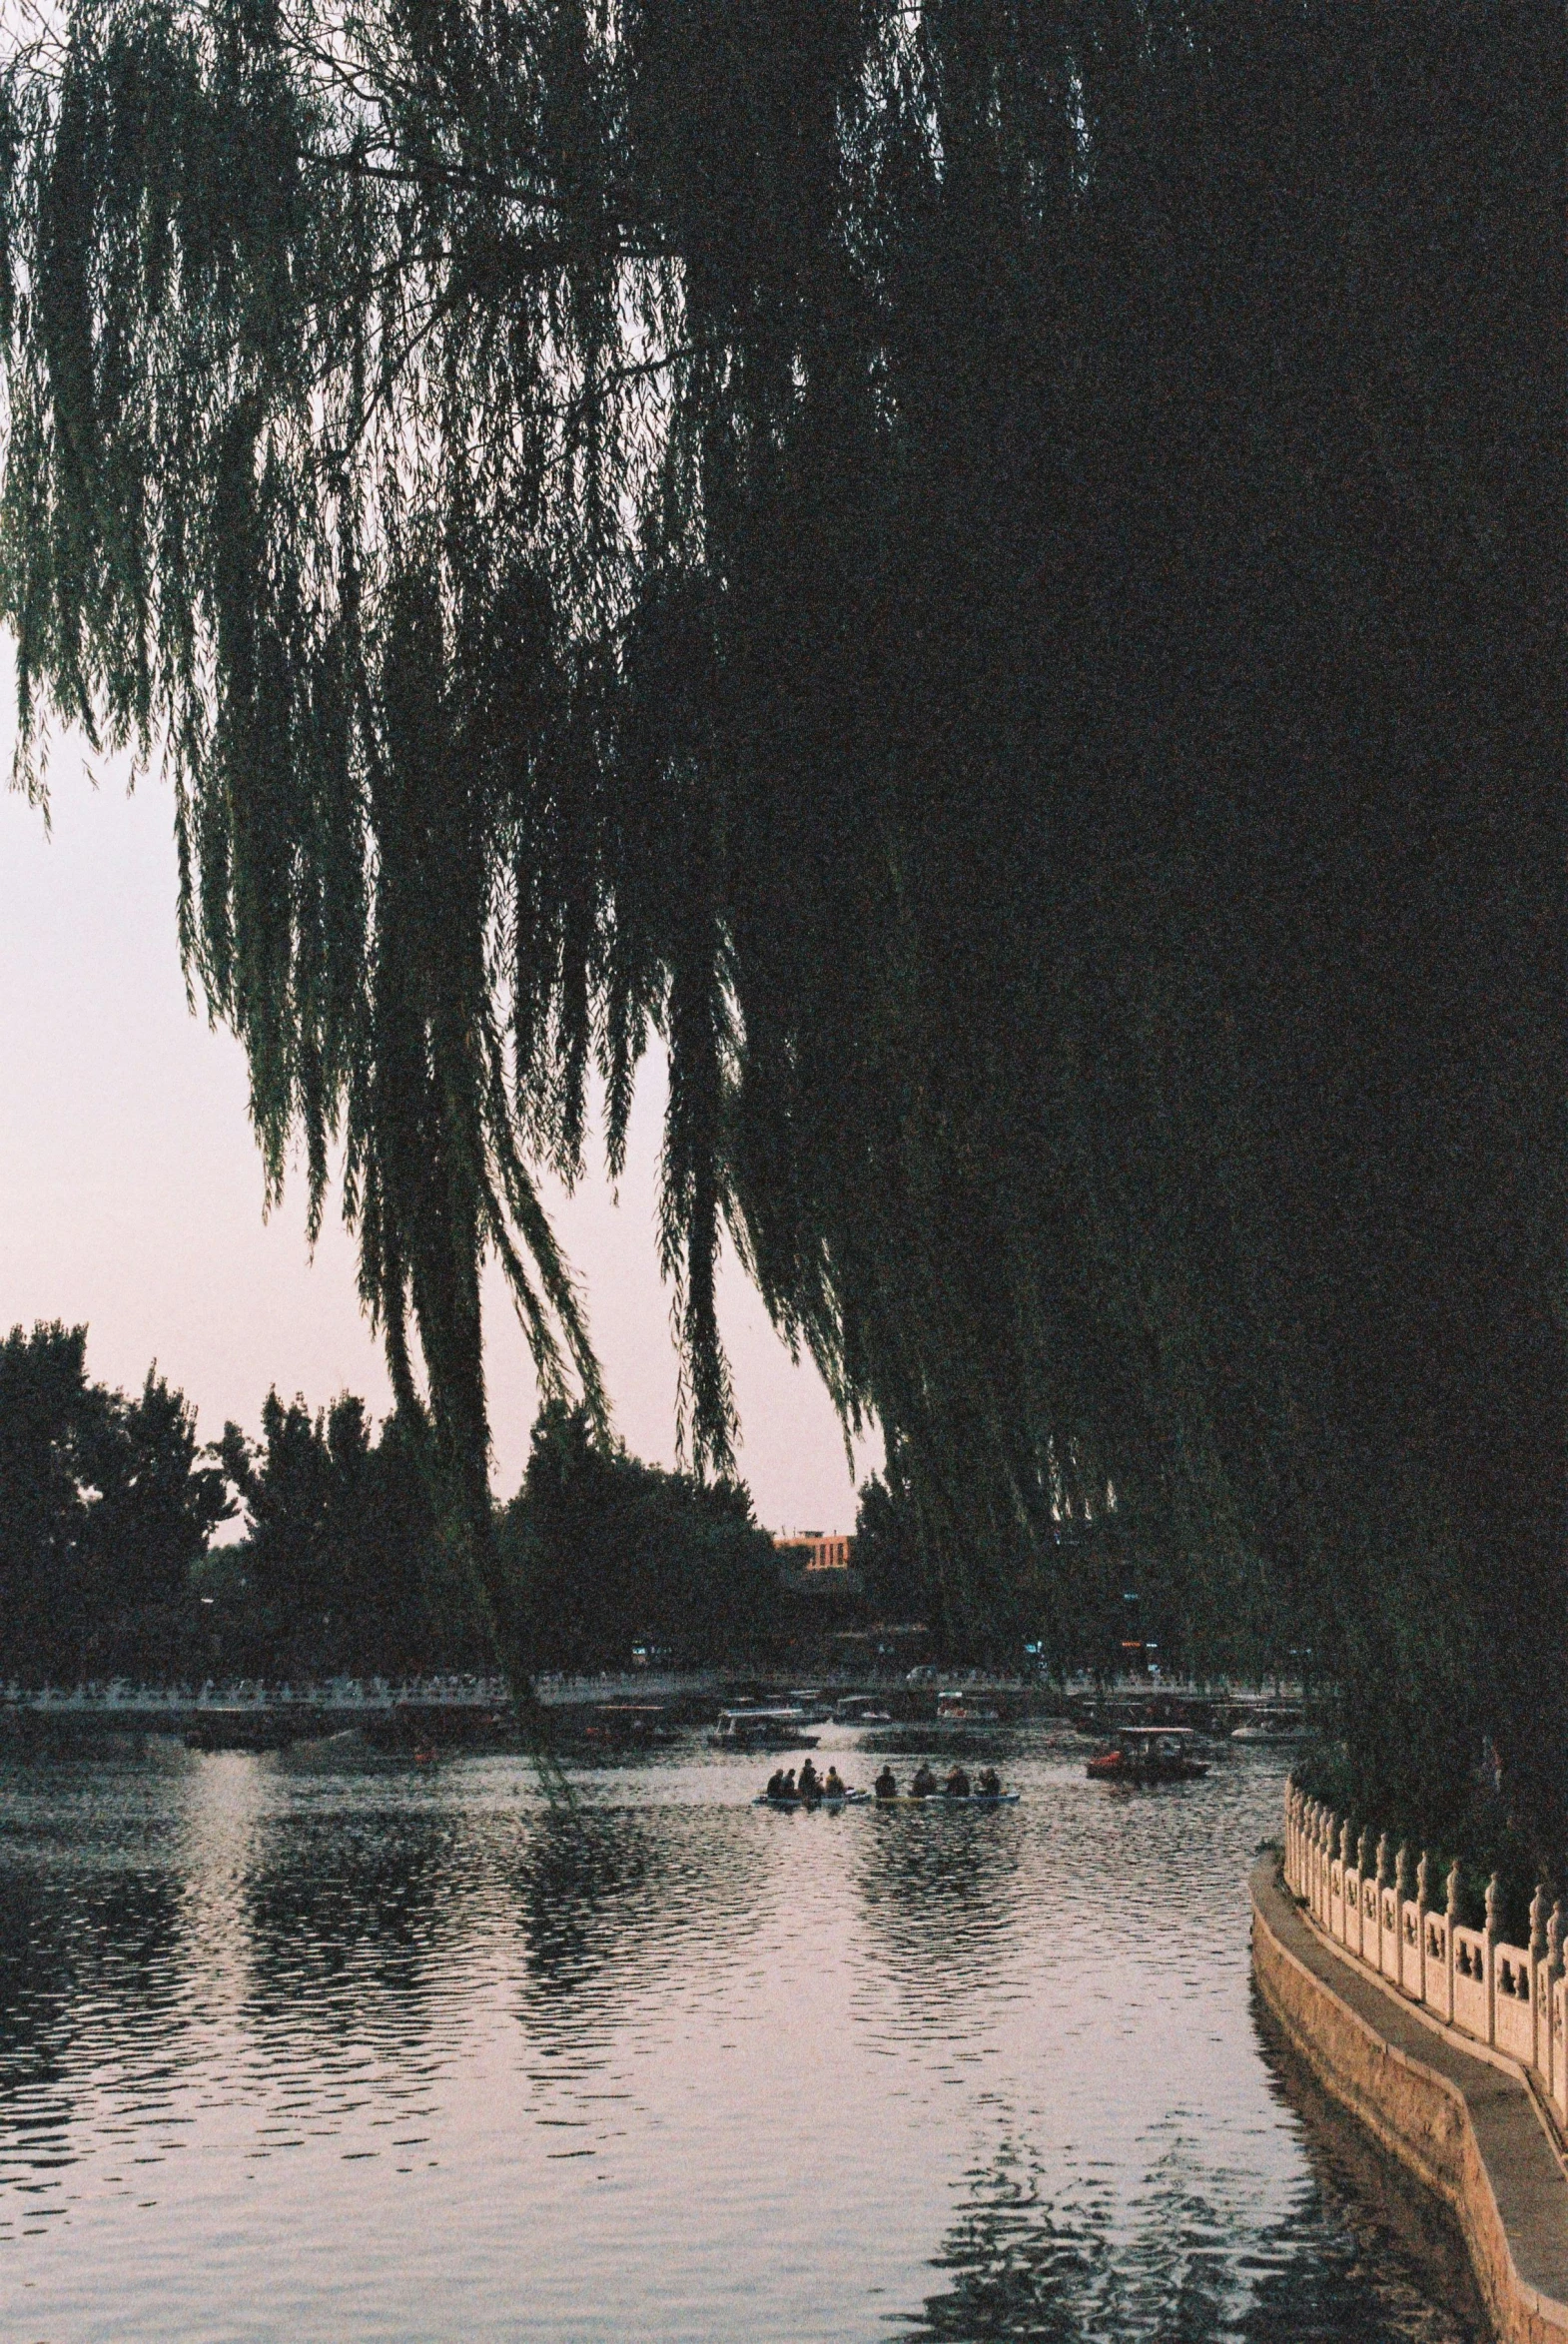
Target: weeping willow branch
point(950, 563)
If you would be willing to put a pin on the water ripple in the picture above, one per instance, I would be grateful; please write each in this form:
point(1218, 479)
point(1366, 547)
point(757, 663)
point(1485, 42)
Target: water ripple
point(401, 2055)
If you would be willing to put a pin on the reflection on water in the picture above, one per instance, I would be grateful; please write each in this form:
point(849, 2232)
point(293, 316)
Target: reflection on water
point(403, 2055)
point(1186, 2269)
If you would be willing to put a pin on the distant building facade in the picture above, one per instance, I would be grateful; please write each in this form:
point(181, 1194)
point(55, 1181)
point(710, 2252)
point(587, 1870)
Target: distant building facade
point(808, 1550)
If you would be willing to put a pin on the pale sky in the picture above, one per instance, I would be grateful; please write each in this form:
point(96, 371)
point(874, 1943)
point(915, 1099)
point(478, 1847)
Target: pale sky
point(130, 1188)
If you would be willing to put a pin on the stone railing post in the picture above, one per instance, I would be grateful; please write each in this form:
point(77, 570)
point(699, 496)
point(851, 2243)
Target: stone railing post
point(1303, 1849)
point(1402, 1962)
point(1290, 1826)
point(1423, 1905)
point(1356, 1936)
point(1557, 2071)
point(1290, 1862)
point(1384, 1882)
point(1325, 1857)
point(1452, 1911)
point(1540, 1986)
point(1305, 1884)
point(1290, 1823)
point(1495, 1929)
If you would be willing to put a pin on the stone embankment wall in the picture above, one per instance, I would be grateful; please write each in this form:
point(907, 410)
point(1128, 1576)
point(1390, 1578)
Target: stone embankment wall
point(1405, 2016)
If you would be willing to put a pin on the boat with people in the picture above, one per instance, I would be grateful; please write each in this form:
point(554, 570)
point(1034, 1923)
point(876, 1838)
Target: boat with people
point(821, 1799)
point(955, 1706)
point(942, 1801)
point(757, 1727)
point(811, 1790)
point(926, 1789)
point(1148, 1753)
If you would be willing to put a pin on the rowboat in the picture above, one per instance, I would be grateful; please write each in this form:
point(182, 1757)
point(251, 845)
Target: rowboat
point(822, 1799)
point(952, 1799)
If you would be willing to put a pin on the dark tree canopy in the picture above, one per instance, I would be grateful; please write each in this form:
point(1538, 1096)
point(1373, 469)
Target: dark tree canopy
point(990, 573)
point(342, 1568)
point(105, 1505)
point(608, 1554)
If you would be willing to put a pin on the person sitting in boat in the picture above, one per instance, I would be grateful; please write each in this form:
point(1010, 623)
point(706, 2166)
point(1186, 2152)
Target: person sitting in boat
point(925, 1783)
point(957, 1784)
point(810, 1782)
point(833, 1784)
point(787, 1786)
point(990, 1783)
point(886, 1785)
point(775, 1788)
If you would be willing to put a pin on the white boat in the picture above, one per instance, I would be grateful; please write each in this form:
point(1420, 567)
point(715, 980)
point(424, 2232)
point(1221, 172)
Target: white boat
point(1270, 1725)
point(760, 1728)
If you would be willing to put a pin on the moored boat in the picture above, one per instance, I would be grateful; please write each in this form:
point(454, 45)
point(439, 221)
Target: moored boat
point(758, 1728)
point(955, 1708)
point(861, 1709)
point(629, 1724)
point(1270, 1725)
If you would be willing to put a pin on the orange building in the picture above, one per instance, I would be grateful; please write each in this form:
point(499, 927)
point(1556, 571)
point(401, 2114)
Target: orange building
point(808, 1550)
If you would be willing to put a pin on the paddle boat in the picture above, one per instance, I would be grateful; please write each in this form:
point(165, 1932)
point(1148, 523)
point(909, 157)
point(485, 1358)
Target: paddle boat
point(1148, 1753)
point(987, 1793)
point(952, 1799)
point(814, 1799)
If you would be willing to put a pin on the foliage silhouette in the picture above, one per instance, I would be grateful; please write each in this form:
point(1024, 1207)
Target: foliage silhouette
point(608, 1554)
point(987, 573)
point(104, 1509)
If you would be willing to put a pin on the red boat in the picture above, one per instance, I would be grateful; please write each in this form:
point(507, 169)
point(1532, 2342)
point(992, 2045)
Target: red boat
point(1148, 1753)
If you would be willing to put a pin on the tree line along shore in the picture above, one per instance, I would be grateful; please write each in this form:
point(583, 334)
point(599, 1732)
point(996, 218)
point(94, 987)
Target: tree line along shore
point(129, 1548)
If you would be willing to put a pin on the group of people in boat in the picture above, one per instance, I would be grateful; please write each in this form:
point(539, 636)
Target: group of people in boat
point(988, 1784)
point(810, 1787)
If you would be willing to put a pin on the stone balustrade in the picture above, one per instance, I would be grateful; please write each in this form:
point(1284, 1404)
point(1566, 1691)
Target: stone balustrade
point(1391, 1918)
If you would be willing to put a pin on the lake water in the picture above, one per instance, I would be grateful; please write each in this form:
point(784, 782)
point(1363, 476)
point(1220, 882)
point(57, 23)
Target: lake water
point(299, 2057)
